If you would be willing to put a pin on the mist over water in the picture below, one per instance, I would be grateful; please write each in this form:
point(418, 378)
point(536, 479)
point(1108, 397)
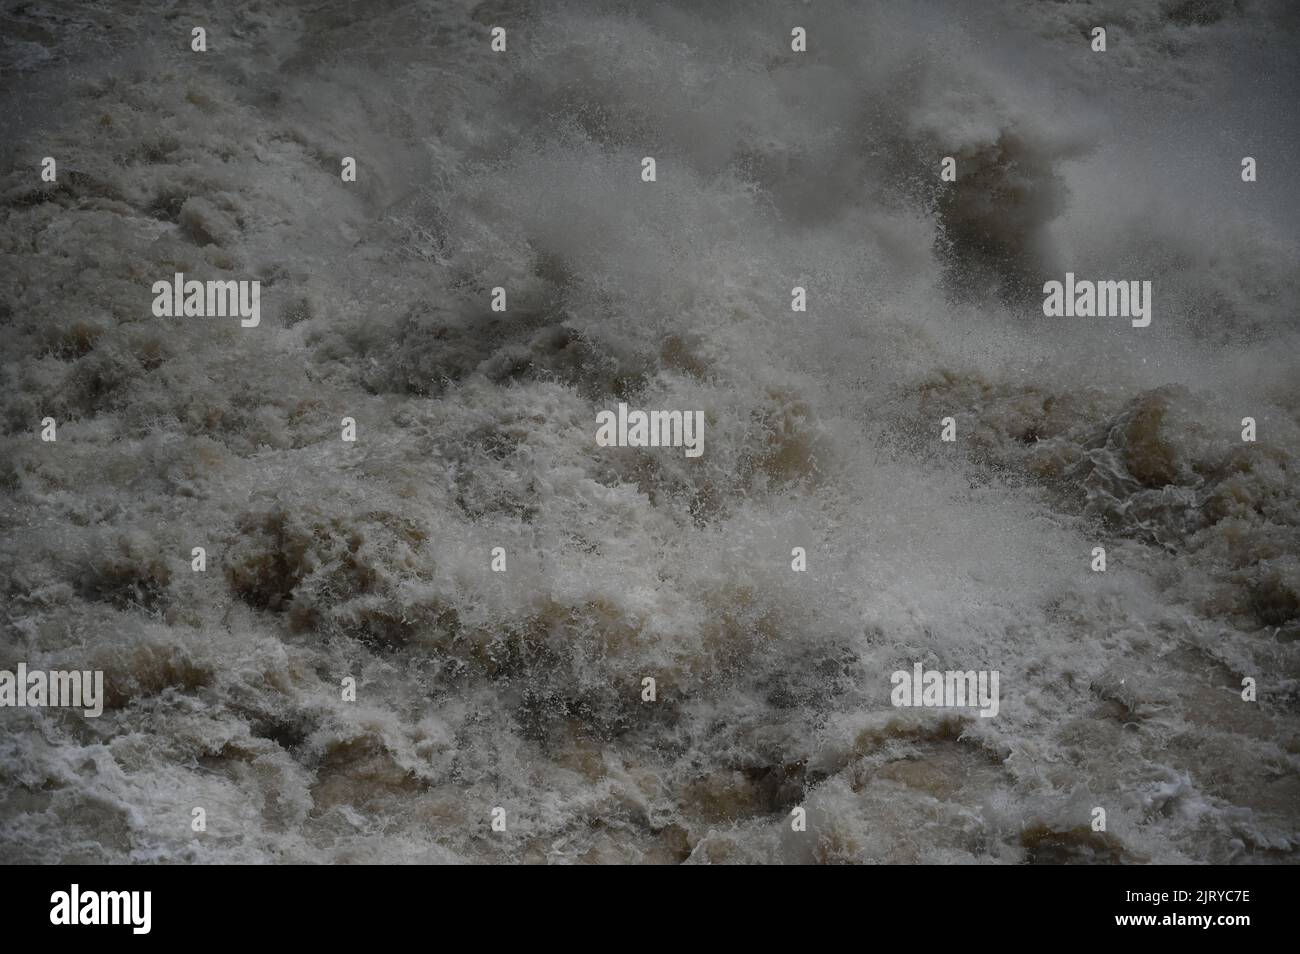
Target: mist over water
point(475, 430)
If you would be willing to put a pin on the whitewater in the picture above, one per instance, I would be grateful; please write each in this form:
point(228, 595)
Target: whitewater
point(522, 690)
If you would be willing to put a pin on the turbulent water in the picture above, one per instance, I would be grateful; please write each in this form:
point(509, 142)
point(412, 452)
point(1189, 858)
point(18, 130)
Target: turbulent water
point(522, 690)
